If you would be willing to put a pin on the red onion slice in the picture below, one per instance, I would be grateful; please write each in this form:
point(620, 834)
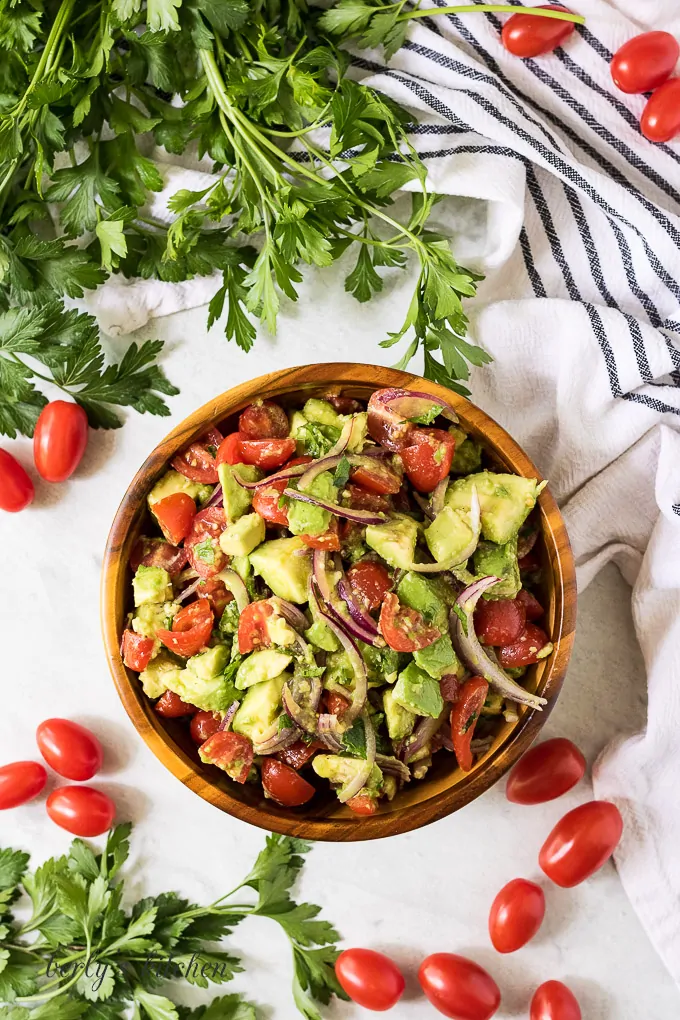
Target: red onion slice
point(413, 404)
point(424, 505)
point(217, 498)
point(229, 715)
point(279, 742)
point(358, 516)
point(357, 783)
point(291, 472)
point(294, 616)
point(189, 591)
point(329, 732)
point(358, 665)
point(423, 733)
point(358, 630)
point(391, 765)
point(357, 612)
point(437, 499)
point(235, 584)
point(455, 561)
point(301, 696)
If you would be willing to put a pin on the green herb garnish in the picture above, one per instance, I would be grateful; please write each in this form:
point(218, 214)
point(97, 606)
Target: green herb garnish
point(341, 476)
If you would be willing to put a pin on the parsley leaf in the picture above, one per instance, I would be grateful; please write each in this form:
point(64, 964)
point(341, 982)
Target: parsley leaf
point(341, 475)
point(427, 417)
point(318, 439)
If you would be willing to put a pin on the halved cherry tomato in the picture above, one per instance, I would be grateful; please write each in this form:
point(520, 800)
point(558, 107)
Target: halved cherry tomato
point(464, 716)
point(198, 462)
point(191, 629)
point(69, 748)
point(16, 488)
point(299, 754)
point(645, 61)
point(229, 451)
point(532, 607)
point(459, 988)
point(427, 458)
point(267, 453)
point(136, 650)
point(581, 842)
point(516, 915)
point(335, 703)
point(370, 979)
point(343, 405)
point(361, 499)
point(252, 626)
point(202, 544)
point(59, 440)
point(525, 649)
point(20, 782)
point(217, 594)
point(499, 621)
point(545, 772)
point(362, 805)
point(175, 515)
point(263, 420)
point(171, 706)
point(266, 503)
point(329, 540)
point(382, 426)
point(660, 121)
point(525, 35)
point(284, 785)
point(203, 725)
point(403, 628)
point(370, 582)
point(231, 752)
point(377, 478)
point(81, 810)
point(554, 1001)
point(154, 552)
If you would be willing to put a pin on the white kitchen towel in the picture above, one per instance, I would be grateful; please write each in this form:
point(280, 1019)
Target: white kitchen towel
point(575, 219)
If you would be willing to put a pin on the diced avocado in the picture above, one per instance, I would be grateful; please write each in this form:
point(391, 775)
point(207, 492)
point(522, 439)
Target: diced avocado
point(400, 721)
point(305, 519)
point(297, 424)
point(450, 534)
point(359, 431)
point(339, 670)
point(390, 787)
point(500, 560)
point(468, 453)
point(243, 535)
point(321, 412)
point(151, 584)
point(322, 637)
point(203, 683)
point(241, 564)
point(159, 675)
point(395, 540)
point(236, 498)
point(505, 500)
point(230, 617)
point(423, 594)
point(280, 631)
point(341, 771)
point(418, 692)
point(153, 616)
point(493, 704)
point(172, 482)
point(515, 671)
point(285, 565)
point(265, 664)
point(438, 658)
point(259, 708)
point(382, 664)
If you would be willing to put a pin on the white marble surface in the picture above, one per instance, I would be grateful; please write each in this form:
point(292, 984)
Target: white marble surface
point(410, 895)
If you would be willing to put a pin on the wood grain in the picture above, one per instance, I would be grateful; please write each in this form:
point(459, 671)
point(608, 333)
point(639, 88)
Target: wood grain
point(445, 789)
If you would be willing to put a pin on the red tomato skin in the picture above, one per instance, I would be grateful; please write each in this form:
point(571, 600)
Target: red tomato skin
point(69, 748)
point(363, 805)
point(464, 716)
point(644, 62)
point(229, 751)
point(191, 629)
point(20, 782)
point(136, 650)
point(370, 583)
point(403, 628)
point(204, 725)
point(197, 463)
point(581, 842)
point(175, 515)
point(459, 988)
point(284, 785)
point(371, 979)
point(524, 651)
point(379, 480)
point(252, 626)
point(16, 488)
point(525, 35)
point(207, 526)
point(59, 440)
point(81, 810)
point(229, 450)
point(362, 499)
point(299, 754)
point(427, 457)
point(264, 420)
point(660, 121)
point(516, 915)
point(545, 772)
point(266, 504)
point(171, 706)
point(532, 607)
point(266, 453)
point(554, 1001)
point(499, 621)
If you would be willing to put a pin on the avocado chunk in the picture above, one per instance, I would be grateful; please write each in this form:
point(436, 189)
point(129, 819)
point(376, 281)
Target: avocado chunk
point(265, 664)
point(242, 536)
point(438, 658)
point(382, 664)
point(493, 704)
point(418, 692)
point(395, 540)
point(285, 566)
point(423, 594)
point(305, 519)
point(259, 709)
point(359, 432)
point(468, 453)
point(151, 584)
point(236, 498)
point(159, 675)
point(322, 637)
point(340, 771)
point(400, 721)
point(172, 482)
point(450, 535)
point(153, 616)
point(500, 560)
point(339, 670)
point(321, 412)
point(505, 501)
point(203, 683)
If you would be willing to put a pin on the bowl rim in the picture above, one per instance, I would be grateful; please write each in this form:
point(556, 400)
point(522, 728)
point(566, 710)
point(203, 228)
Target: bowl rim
point(285, 383)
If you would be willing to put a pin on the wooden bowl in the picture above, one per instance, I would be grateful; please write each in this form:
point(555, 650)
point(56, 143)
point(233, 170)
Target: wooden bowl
point(445, 788)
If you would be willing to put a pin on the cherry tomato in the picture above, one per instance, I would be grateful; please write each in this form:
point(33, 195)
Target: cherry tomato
point(198, 462)
point(532, 607)
point(231, 752)
point(516, 915)
point(362, 805)
point(202, 544)
point(545, 772)
point(499, 621)
point(175, 515)
point(645, 61)
point(459, 988)
point(581, 842)
point(525, 649)
point(81, 810)
point(526, 35)
point(427, 458)
point(329, 540)
point(450, 687)
point(266, 503)
point(267, 453)
point(403, 628)
point(370, 583)
point(361, 499)
point(252, 626)
point(343, 405)
point(203, 725)
point(660, 121)
point(299, 754)
point(554, 1001)
point(263, 420)
point(154, 552)
point(229, 450)
point(215, 591)
point(171, 706)
point(335, 703)
point(59, 440)
point(69, 748)
point(529, 563)
point(284, 785)
point(136, 650)
point(464, 718)
point(191, 629)
point(20, 782)
point(16, 488)
point(377, 478)
point(370, 979)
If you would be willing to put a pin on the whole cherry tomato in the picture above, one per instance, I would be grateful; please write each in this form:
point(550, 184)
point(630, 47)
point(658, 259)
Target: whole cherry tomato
point(171, 706)
point(645, 61)
point(660, 121)
point(581, 842)
point(516, 915)
point(545, 772)
point(81, 810)
point(263, 420)
point(284, 785)
point(16, 488)
point(370, 583)
point(69, 748)
point(20, 782)
point(59, 440)
point(527, 35)
point(405, 629)
point(554, 1001)
point(191, 629)
point(203, 725)
point(459, 988)
point(370, 979)
point(175, 515)
point(464, 716)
